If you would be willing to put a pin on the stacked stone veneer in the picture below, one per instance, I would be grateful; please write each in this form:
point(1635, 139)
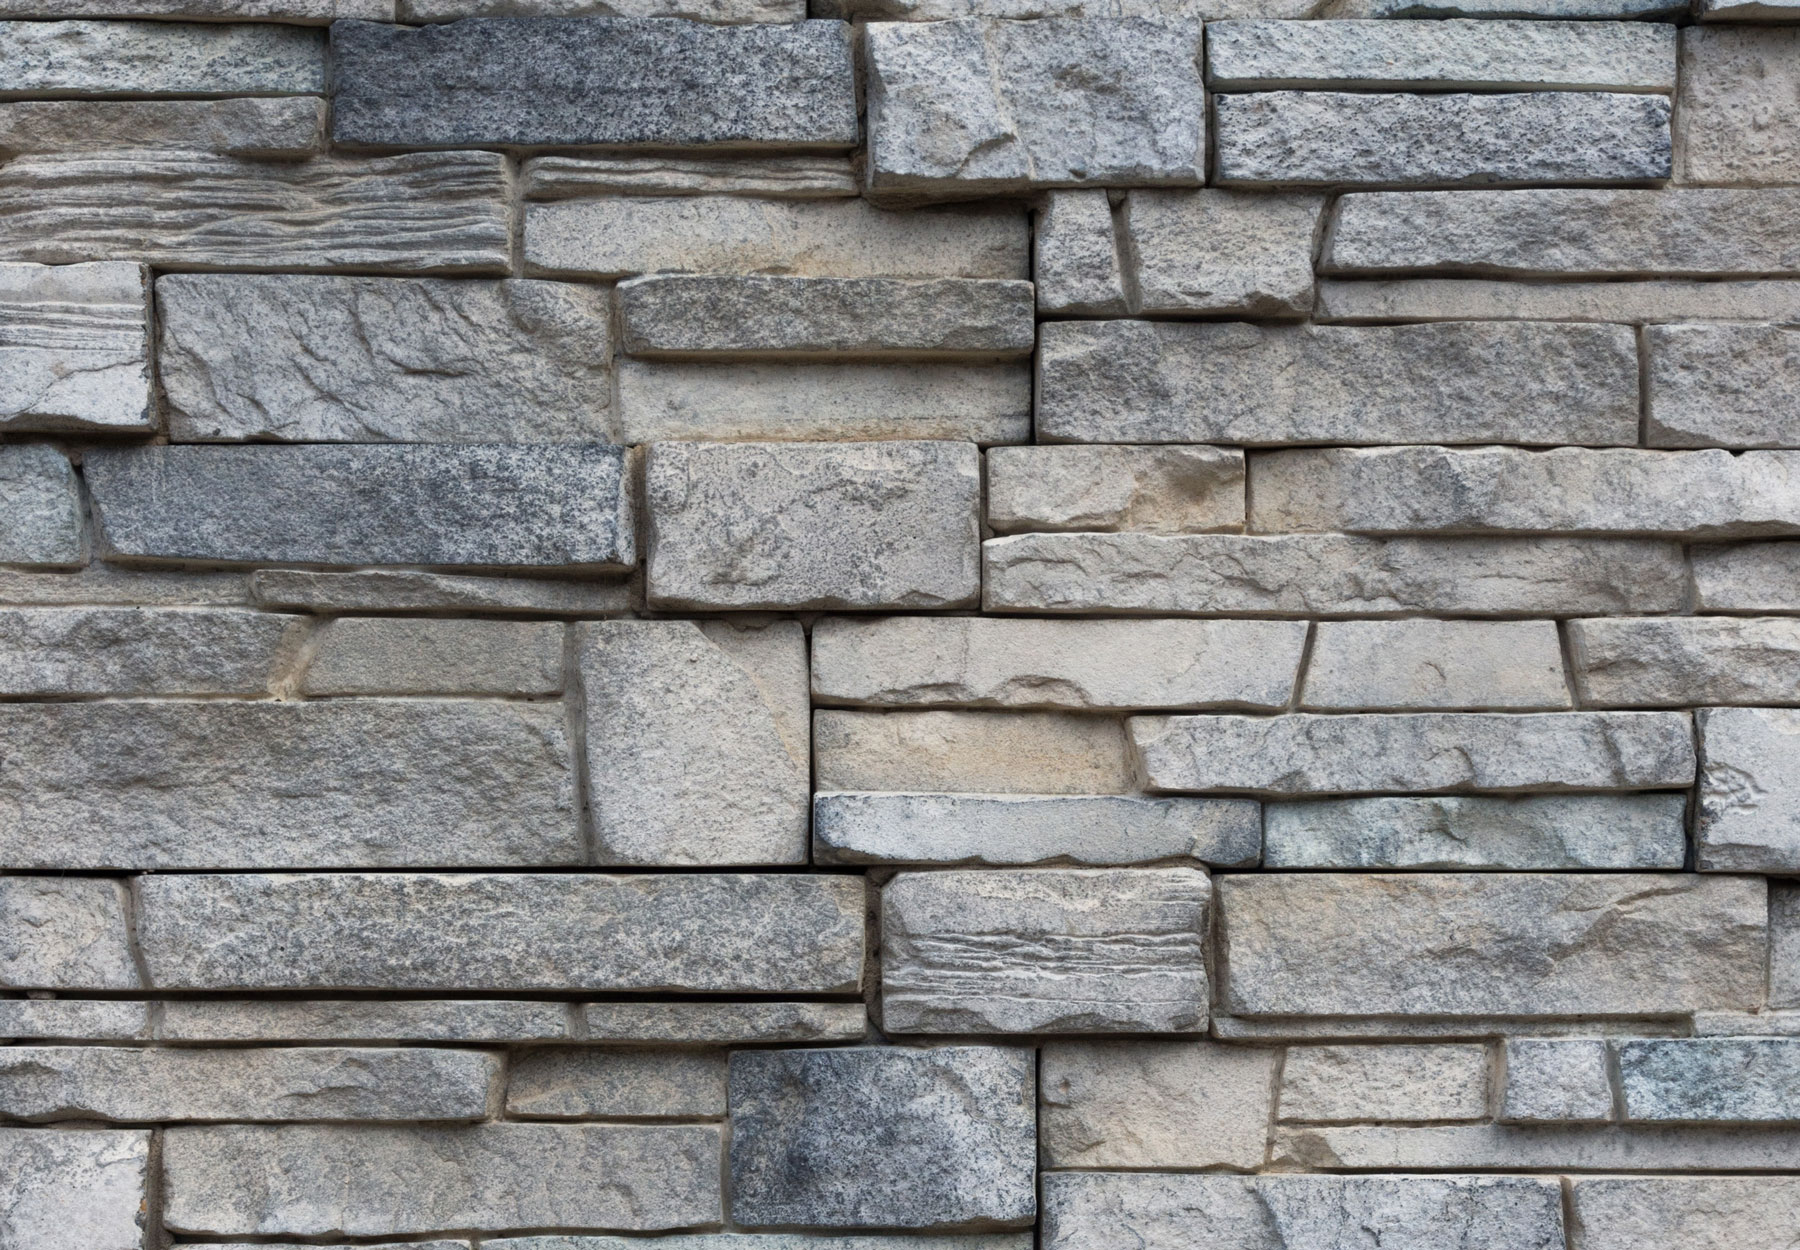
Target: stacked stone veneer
point(926, 626)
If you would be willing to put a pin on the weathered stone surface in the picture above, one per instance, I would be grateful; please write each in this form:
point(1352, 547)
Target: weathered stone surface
point(373, 783)
point(1747, 1024)
point(425, 212)
point(276, 126)
point(380, 655)
point(1382, 1030)
point(697, 740)
point(127, 651)
point(1076, 261)
point(1490, 9)
point(1477, 299)
point(75, 348)
point(1721, 386)
point(74, 1190)
point(786, 1241)
point(1552, 1147)
point(1681, 661)
point(921, 661)
point(311, 1180)
point(299, 12)
point(1069, 950)
point(1221, 251)
point(620, 235)
point(661, 400)
point(1497, 490)
point(1031, 829)
point(1474, 944)
point(173, 58)
point(1568, 233)
point(1536, 833)
point(618, 82)
point(1455, 55)
point(1746, 10)
point(562, 1083)
point(481, 506)
point(1748, 816)
point(971, 752)
point(137, 1084)
point(1784, 944)
point(1712, 1080)
point(1154, 1104)
point(716, 934)
point(83, 1019)
point(1418, 752)
point(1670, 1213)
point(1233, 382)
point(883, 1137)
point(260, 357)
point(1737, 105)
point(1746, 577)
point(405, 590)
point(723, 1024)
point(771, 177)
point(1329, 575)
point(353, 1020)
point(1561, 1080)
point(1158, 490)
point(970, 107)
point(1324, 138)
point(1435, 664)
point(1167, 1212)
point(43, 508)
point(64, 933)
point(106, 585)
point(803, 525)
point(1346, 1084)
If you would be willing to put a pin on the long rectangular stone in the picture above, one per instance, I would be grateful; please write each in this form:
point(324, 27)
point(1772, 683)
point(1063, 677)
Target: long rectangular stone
point(616, 82)
point(385, 656)
point(1711, 1080)
point(144, 651)
point(1784, 944)
point(76, 58)
point(1482, 944)
point(426, 212)
point(43, 508)
point(143, 1084)
point(310, 1180)
point(916, 661)
point(350, 1021)
point(723, 1024)
point(107, 585)
point(288, 127)
point(1721, 386)
point(369, 783)
point(1646, 301)
point(708, 934)
point(980, 829)
point(478, 506)
point(1683, 661)
point(1420, 752)
point(75, 348)
point(1332, 138)
point(263, 357)
point(1417, 665)
point(971, 752)
point(565, 1083)
point(1330, 575)
point(1547, 1147)
point(1748, 815)
point(1454, 55)
point(82, 1019)
point(808, 525)
point(1680, 1213)
point(1737, 109)
point(1074, 950)
point(775, 177)
point(1489, 10)
point(1095, 487)
point(1233, 382)
point(1539, 833)
point(81, 1190)
point(1499, 490)
point(1396, 1084)
point(408, 590)
point(1021, 1240)
point(297, 12)
point(1557, 233)
point(65, 933)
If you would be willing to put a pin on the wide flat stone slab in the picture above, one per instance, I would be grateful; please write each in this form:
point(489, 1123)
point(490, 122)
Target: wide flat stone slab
point(62, 651)
point(74, 347)
point(267, 126)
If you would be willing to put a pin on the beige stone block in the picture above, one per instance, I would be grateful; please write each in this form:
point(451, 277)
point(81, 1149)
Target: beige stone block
point(971, 752)
point(1398, 1084)
point(1154, 490)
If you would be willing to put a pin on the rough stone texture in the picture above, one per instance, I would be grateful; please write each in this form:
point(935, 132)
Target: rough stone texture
point(403, 590)
point(712, 934)
point(1721, 386)
point(1556, 1081)
point(971, 752)
point(1454, 55)
point(103, 585)
point(310, 1180)
point(698, 317)
point(1496, 490)
point(138, 651)
point(482, 506)
point(1077, 264)
point(1483, 944)
point(376, 655)
point(724, 1024)
point(1748, 815)
point(1053, 951)
point(773, 177)
point(132, 1084)
point(1539, 832)
point(1509, 1147)
point(1682, 661)
point(43, 508)
point(349, 1020)
point(1747, 1024)
point(1714, 1080)
point(1676, 1213)
point(1421, 752)
point(570, 81)
point(261, 357)
point(1346, 1084)
point(798, 525)
point(568, 1084)
point(1491, 9)
point(299, 12)
point(1466, 299)
point(751, 400)
point(425, 212)
point(1233, 382)
point(75, 348)
point(620, 235)
point(883, 1137)
point(1784, 944)
point(81, 1190)
point(1746, 577)
point(276, 127)
point(1329, 575)
point(1154, 1104)
point(1737, 105)
point(174, 58)
point(699, 734)
point(64, 933)
point(1221, 251)
point(726, 12)
point(1324, 138)
point(974, 106)
point(1032, 829)
point(1157, 490)
point(786, 1241)
point(85, 1019)
point(913, 661)
point(1435, 664)
point(375, 783)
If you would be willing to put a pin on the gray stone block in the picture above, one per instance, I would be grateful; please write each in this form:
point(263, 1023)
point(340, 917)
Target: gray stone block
point(1561, 1148)
point(1221, 251)
point(773, 177)
point(784, 1241)
point(1721, 386)
point(1398, 1084)
point(1748, 815)
point(1667, 1212)
point(1784, 944)
point(1418, 665)
point(127, 651)
point(1645, 300)
point(43, 508)
point(1158, 490)
point(971, 752)
point(82, 1190)
point(75, 58)
point(1492, 9)
point(723, 1024)
point(76, 355)
point(1556, 1081)
point(1737, 108)
point(288, 127)
point(406, 590)
point(1710, 1080)
point(65, 933)
point(381, 655)
point(883, 1137)
point(49, 1019)
point(355, 1020)
point(564, 1083)
point(723, 12)
point(1077, 263)
point(1746, 577)
point(297, 12)
point(1682, 661)
point(105, 585)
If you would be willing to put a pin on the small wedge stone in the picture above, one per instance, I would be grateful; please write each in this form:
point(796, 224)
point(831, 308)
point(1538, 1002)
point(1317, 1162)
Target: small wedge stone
point(1396, 1084)
point(1721, 386)
point(1157, 490)
point(82, 1190)
point(1418, 665)
point(65, 933)
point(1556, 1081)
point(276, 127)
point(74, 347)
point(380, 655)
point(561, 1083)
point(971, 752)
point(164, 58)
point(1076, 263)
point(1748, 816)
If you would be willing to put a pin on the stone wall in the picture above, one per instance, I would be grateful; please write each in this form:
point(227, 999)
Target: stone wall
point(918, 625)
